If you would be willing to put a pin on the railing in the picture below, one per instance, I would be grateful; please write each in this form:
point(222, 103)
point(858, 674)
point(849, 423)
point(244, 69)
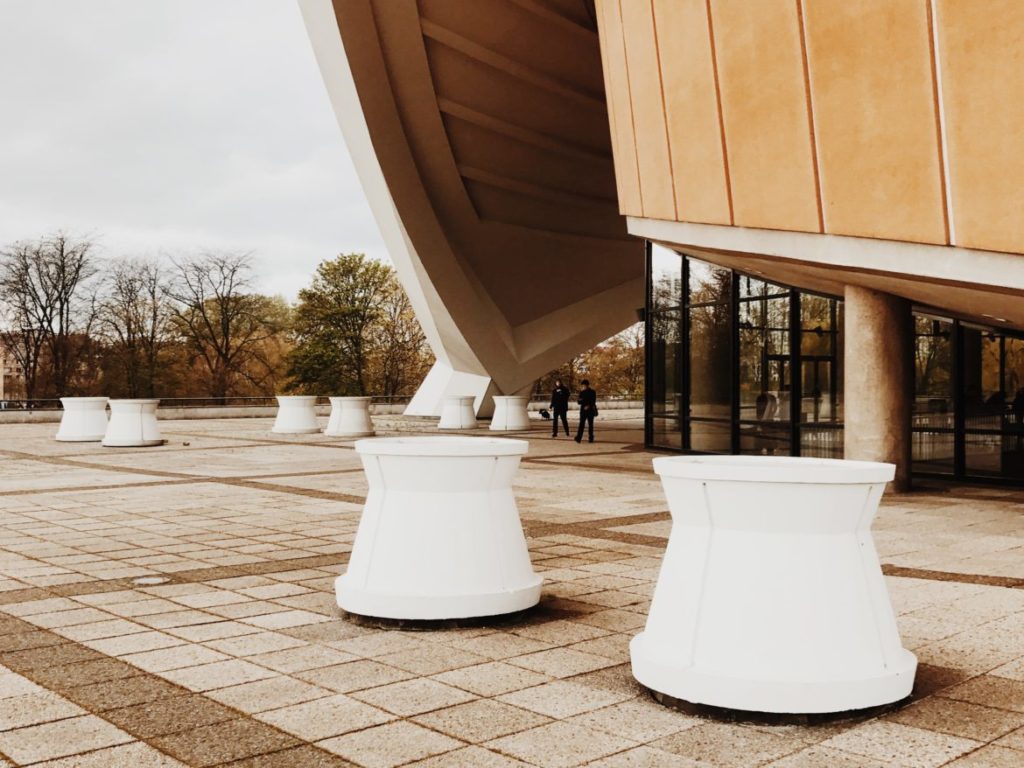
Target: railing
point(53, 404)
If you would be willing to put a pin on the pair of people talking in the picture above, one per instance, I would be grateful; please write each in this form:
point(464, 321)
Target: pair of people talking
point(587, 400)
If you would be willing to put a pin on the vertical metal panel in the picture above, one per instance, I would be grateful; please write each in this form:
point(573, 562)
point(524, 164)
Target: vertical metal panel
point(620, 109)
point(652, 151)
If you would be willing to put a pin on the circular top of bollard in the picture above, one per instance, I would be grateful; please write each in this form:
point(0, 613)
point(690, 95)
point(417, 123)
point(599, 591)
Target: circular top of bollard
point(442, 445)
point(67, 400)
point(296, 398)
point(349, 398)
point(774, 469)
point(135, 401)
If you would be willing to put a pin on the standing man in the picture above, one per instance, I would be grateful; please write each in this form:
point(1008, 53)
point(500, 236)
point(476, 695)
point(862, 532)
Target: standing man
point(588, 410)
point(559, 407)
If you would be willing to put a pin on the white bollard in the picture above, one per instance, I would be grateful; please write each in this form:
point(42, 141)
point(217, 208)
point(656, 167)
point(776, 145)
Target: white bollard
point(457, 413)
point(350, 417)
point(84, 420)
point(510, 413)
point(132, 424)
point(440, 535)
point(770, 596)
point(296, 415)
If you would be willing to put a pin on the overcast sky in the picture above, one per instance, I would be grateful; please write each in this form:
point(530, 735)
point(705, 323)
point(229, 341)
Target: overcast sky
point(170, 126)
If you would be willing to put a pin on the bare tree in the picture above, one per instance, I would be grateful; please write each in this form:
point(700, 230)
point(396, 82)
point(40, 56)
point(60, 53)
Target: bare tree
point(134, 314)
point(401, 357)
point(47, 311)
point(225, 325)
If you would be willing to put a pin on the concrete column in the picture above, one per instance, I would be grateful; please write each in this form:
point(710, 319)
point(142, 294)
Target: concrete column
point(879, 379)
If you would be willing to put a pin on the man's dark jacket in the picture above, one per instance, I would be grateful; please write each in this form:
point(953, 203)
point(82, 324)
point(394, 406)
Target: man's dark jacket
point(560, 399)
point(588, 401)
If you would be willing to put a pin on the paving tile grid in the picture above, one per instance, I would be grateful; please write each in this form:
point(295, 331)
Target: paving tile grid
point(240, 657)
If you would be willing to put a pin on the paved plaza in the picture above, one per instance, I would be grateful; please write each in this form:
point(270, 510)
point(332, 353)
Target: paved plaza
point(238, 655)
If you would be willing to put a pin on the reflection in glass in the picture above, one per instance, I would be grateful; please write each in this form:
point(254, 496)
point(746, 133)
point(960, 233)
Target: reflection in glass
point(993, 372)
point(666, 433)
point(933, 372)
point(666, 279)
point(821, 441)
point(765, 386)
point(709, 283)
point(666, 363)
point(710, 367)
point(821, 356)
point(933, 452)
point(711, 436)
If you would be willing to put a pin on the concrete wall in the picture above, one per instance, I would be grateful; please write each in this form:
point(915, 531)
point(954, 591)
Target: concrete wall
point(174, 413)
point(268, 411)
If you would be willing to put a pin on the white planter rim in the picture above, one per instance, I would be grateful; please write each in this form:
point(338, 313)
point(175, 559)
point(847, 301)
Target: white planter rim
point(296, 398)
point(84, 400)
point(441, 446)
point(349, 398)
point(137, 401)
point(774, 469)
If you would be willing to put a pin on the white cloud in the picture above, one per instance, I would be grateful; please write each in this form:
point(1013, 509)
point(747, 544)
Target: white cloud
point(175, 125)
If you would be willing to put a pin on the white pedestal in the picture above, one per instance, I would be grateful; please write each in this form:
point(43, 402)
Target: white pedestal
point(84, 420)
point(350, 417)
point(296, 415)
point(132, 424)
point(440, 536)
point(457, 413)
point(770, 596)
point(510, 413)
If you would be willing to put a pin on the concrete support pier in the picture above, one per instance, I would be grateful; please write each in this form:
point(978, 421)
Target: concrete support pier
point(879, 380)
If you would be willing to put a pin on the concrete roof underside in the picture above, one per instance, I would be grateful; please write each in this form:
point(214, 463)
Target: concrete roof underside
point(490, 131)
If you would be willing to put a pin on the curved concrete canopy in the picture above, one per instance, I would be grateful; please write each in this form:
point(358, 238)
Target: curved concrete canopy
point(480, 134)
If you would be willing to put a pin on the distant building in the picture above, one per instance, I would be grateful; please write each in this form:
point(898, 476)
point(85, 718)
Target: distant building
point(12, 377)
point(817, 204)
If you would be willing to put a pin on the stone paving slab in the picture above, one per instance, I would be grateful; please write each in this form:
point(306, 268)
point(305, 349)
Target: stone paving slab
point(239, 657)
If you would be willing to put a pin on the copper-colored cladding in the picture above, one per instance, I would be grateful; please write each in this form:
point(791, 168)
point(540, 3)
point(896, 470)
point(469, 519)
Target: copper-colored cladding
point(490, 125)
point(897, 119)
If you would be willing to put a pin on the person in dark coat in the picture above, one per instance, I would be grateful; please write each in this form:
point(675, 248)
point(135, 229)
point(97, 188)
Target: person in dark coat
point(560, 407)
point(588, 410)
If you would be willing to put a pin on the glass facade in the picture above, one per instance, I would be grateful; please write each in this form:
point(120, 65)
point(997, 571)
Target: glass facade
point(968, 400)
point(737, 364)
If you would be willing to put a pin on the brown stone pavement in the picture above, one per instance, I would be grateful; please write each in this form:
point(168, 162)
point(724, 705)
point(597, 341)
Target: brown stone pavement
point(240, 657)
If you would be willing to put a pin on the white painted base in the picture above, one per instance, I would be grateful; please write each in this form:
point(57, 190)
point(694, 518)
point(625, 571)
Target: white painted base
point(350, 417)
point(132, 424)
point(440, 535)
point(296, 415)
point(770, 596)
point(442, 381)
point(84, 420)
point(457, 413)
point(510, 413)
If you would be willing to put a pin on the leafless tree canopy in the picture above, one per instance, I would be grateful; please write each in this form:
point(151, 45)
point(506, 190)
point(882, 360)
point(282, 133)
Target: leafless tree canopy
point(225, 324)
point(134, 314)
point(49, 308)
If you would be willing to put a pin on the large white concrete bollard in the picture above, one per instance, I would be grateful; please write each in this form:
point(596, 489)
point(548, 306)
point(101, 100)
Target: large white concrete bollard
point(440, 535)
point(510, 413)
point(296, 415)
point(132, 424)
point(350, 417)
point(84, 420)
point(457, 413)
point(770, 596)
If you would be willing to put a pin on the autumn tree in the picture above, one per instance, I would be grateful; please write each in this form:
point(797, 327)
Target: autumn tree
point(229, 331)
point(333, 326)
